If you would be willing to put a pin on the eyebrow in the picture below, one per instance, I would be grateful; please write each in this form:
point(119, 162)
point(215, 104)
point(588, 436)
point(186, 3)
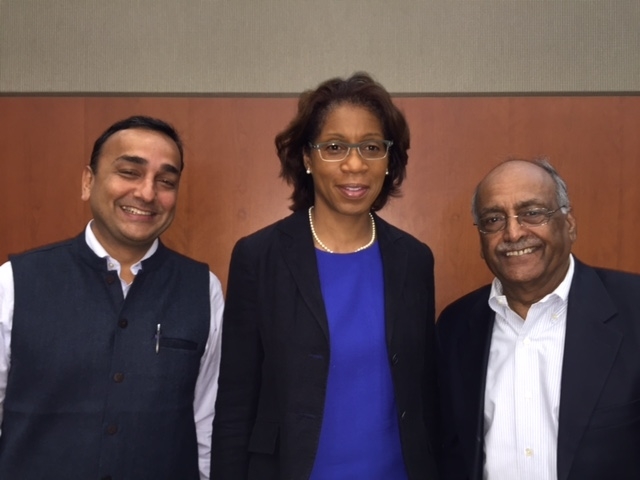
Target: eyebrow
point(534, 202)
point(366, 136)
point(166, 167)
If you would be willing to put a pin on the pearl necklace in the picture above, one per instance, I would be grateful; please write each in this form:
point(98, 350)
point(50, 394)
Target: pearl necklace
point(324, 247)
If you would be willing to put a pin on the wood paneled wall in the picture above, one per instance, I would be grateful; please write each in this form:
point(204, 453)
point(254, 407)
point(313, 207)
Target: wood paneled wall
point(231, 187)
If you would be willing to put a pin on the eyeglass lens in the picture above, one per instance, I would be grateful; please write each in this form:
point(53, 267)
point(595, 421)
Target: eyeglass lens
point(369, 150)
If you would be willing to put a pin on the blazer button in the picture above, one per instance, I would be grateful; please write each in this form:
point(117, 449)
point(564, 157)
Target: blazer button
point(110, 278)
point(112, 429)
point(123, 323)
point(403, 414)
point(118, 377)
point(394, 359)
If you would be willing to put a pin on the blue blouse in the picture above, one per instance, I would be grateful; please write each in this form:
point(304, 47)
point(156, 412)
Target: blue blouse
point(360, 437)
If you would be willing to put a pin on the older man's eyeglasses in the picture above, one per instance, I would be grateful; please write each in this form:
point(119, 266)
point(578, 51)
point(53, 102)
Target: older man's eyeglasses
point(533, 217)
point(336, 151)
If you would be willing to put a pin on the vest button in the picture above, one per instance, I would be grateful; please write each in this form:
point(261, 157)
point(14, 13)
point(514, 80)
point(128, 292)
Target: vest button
point(123, 323)
point(118, 377)
point(394, 359)
point(110, 278)
point(112, 429)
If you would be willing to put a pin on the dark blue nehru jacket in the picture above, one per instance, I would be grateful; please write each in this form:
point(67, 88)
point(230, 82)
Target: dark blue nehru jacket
point(88, 397)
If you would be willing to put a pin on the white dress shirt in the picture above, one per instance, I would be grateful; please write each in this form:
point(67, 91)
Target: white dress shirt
point(207, 383)
point(522, 393)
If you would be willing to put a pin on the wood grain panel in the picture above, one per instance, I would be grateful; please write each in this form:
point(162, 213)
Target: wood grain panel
point(231, 188)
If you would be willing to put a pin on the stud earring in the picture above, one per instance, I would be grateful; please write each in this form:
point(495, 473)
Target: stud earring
point(386, 172)
point(308, 170)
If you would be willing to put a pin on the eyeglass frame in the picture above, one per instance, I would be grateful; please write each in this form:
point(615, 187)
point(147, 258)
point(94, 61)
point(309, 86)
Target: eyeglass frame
point(564, 209)
point(318, 146)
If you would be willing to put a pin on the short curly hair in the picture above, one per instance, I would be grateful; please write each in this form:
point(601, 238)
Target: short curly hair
point(313, 107)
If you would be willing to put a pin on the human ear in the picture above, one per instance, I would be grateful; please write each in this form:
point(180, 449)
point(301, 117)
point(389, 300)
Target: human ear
point(87, 182)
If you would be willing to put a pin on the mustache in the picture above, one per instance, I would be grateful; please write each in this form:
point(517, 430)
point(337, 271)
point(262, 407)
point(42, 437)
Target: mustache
point(519, 245)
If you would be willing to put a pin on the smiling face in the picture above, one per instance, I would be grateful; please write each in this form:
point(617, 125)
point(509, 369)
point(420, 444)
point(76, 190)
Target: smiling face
point(528, 261)
point(133, 192)
point(348, 187)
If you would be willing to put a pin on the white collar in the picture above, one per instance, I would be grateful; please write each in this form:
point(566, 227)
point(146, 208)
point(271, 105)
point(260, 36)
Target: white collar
point(562, 291)
point(112, 263)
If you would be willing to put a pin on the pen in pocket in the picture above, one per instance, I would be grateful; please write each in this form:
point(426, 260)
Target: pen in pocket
point(158, 333)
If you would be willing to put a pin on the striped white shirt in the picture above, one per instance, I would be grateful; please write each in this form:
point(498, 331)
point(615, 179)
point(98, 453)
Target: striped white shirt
point(522, 393)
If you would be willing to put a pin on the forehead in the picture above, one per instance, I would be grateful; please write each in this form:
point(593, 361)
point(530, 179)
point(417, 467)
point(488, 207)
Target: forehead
point(350, 116)
point(155, 147)
point(515, 184)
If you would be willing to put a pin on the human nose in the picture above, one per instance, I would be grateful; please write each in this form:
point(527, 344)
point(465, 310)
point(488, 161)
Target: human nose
point(354, 161)
point(145, 190)
point(513, 230)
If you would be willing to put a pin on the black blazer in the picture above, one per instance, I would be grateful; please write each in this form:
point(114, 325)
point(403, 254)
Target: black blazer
point(599, 418)
point(275, 353)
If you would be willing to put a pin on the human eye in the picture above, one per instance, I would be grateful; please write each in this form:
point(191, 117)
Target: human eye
point(333, 149)
point(494, 218)
point(492, 222)
point(128, 172)
point(168, 183)
point(373, 149)
point(533, 216)
point(371, 146)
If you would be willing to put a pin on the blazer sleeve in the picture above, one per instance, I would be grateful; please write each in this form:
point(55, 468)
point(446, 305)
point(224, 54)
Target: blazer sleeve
point(240, 369)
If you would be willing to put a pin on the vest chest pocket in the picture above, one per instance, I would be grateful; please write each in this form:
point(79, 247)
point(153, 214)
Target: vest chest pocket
point(175, 364)
point(177, 343)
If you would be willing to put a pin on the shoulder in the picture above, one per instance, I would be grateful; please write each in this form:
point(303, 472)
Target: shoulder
point(45, 249)
point(181, 266)
point(43, 253)
point(476, 301)
point(291, 227)
point(182, 259)
point(391, 235)
point(618, 279)
point(612, 280)
point(621, 286)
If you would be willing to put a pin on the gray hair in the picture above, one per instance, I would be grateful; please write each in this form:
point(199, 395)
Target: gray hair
point(562, 193)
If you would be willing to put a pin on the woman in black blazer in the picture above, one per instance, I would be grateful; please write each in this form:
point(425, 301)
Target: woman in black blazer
point(327, 367)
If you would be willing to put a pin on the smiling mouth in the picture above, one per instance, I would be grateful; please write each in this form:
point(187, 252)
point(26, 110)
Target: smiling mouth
point(517, 253)
point(135, 211)
point(354, 190)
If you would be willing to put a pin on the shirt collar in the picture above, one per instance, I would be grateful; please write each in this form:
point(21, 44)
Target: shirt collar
point(112, 263)
point(497, 299)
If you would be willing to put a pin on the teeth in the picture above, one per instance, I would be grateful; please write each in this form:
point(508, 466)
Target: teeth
point(135, 211)
point(517, 253)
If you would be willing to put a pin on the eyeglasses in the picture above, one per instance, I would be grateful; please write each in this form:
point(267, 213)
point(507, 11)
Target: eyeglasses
point(336, 151)
point(534, 217)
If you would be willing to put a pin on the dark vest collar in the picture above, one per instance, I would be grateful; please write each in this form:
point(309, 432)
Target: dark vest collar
point(94, 261)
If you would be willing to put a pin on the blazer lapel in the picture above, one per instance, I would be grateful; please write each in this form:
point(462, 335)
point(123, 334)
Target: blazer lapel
point(394, 265)
point(299, 255)
point(590, 348)
point(473, 352)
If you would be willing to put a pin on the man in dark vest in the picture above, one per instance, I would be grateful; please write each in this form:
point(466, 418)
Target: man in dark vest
point(110, 341)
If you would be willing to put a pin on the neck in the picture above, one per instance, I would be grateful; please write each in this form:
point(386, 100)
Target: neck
point(521, 308)
point(520, 296)
point(126, 255)
point(342, 235)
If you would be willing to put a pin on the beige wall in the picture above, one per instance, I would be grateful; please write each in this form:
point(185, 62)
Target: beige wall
point(279, 46)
